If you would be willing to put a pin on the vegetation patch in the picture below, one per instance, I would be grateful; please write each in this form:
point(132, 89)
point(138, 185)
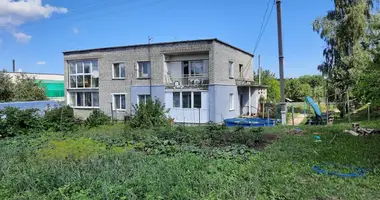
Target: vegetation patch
point(75, 149)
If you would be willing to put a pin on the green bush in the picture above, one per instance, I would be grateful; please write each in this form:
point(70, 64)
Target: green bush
point(149, 114)
point(15, 121)
point(61, 120)
point(97, 118)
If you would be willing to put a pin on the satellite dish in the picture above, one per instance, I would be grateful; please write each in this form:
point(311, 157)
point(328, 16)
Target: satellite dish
point(197, 81)
point(95, 74)
point(176, 83)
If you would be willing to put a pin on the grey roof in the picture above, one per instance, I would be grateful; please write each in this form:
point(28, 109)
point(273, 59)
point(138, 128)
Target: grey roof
point(155, 44)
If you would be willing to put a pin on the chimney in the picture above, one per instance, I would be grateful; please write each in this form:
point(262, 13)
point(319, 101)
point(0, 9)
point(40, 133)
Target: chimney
point(14, 65)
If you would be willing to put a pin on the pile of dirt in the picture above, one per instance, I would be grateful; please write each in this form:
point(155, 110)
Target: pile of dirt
point(296, 131)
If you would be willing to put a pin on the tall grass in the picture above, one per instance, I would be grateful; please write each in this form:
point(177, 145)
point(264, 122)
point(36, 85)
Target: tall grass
point(106, 168)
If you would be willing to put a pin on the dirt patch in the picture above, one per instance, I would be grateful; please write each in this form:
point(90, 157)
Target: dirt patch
point(268, 139)
point(296, 131)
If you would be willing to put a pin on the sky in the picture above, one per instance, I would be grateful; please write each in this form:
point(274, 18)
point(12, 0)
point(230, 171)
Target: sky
point(36, 32)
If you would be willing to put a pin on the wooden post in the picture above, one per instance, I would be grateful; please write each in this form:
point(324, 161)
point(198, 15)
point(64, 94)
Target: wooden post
point(369, 111)
point(293, 114)
point(111, 112)
point(348, 108)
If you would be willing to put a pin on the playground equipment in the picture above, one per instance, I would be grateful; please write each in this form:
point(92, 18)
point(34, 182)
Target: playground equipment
point(320, 118)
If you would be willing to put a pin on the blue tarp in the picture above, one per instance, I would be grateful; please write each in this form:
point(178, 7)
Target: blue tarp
point(42, 106)
point(315, 107)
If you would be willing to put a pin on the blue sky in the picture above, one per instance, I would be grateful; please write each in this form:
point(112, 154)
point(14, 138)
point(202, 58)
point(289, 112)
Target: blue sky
point(38, 42)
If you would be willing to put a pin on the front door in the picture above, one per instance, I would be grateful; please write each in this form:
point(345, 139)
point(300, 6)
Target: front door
point(241, 104)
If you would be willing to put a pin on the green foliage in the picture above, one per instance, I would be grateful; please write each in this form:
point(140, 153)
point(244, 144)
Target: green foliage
point(86, 165)
point(15, 122)
point(296, 90)
point(6, 87)
point(97, 118)
point(149, 114)
point(269, 79)
point(61, 119)
point(26, 89)
point(345, 31)
point(76, 149)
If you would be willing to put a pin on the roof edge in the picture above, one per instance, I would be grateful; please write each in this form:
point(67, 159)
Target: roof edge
point(155, 44)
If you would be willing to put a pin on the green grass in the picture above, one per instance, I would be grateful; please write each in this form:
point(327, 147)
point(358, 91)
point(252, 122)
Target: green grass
point(104, 163)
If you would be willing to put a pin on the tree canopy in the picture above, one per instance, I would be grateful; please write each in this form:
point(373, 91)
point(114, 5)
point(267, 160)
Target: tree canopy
point(23, 88)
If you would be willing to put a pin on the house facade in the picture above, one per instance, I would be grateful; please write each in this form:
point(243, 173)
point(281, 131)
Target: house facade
point(198, 80)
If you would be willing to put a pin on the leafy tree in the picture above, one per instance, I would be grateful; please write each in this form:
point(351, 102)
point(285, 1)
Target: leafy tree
point(296, 90)
point(344, 31)
point(368, 83)
point(269, 79)
point(6, 87)
point(27, 89)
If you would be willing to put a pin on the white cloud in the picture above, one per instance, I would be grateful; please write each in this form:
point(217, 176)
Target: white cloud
point(41, 63)
point(22, 37)
point(75, 30)
point(15, 13)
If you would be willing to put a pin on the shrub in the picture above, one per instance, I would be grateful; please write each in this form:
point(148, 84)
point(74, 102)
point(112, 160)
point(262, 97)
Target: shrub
point(149, 114)
point(15, 122)
point(97, 118)
point(61, 119)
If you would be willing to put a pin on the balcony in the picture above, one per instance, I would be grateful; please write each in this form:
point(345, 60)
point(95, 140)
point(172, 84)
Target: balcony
point(187, 81)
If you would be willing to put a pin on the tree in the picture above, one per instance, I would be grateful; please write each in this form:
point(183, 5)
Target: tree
point(344, 31)
point(296, 90)
point(269, 79)
point(6, 87)
point(27, 89)
point(368, 83)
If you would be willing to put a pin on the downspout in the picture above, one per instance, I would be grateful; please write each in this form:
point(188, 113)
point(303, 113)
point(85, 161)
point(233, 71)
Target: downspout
point(150, 70)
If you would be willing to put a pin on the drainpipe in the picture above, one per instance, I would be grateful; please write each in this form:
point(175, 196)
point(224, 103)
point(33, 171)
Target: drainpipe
point(150, 70)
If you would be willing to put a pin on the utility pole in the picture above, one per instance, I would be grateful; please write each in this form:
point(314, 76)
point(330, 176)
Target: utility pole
point(348, 107)
point(259, 70)
point(281, 63)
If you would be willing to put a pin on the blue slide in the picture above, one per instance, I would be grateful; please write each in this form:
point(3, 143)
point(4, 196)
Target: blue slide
point(318, 113)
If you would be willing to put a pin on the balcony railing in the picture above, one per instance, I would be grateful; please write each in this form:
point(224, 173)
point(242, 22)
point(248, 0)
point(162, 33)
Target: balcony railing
point(194, 80)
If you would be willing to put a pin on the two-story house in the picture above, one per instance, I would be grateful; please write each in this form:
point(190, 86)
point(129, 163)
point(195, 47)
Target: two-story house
point(198, 80)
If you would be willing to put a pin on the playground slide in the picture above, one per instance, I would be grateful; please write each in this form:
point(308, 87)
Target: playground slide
point(315, 107)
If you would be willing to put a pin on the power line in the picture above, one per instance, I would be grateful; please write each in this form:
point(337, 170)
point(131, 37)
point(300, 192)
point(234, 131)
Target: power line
point(264, 28)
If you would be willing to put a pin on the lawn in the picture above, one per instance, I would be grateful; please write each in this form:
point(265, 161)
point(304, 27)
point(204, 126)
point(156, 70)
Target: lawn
point(112, 162)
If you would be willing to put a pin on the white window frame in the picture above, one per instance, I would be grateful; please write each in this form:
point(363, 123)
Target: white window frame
point(82, 74)
point(191, 98)
point(113, 71)
point(144, 76)
point(231, 101)
point(74, 104)
point(114, 101)
point(231, 69)
point(145, 99)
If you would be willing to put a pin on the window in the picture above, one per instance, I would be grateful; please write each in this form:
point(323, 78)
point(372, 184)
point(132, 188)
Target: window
point(143, 70)
point(186, 99)
point(232, 101)
point(176, 100)
point(231, 69)
point(84, 99)
point(240, 71)
point(143, 98)
point(197, 100)
point(118, 70)
point(119, 102)
point(83, 74)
